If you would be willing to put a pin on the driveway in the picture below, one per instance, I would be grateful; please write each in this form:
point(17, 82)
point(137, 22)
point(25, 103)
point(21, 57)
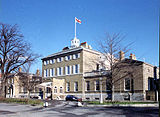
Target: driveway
point(69, 109)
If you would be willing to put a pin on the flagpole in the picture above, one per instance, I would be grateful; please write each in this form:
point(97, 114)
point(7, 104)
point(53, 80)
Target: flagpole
point(75, 26)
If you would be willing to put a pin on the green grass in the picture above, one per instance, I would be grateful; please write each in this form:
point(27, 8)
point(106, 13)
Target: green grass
point(116, 102)
point(21, 101)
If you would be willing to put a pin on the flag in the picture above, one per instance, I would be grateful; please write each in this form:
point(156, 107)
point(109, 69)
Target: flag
point(77, 20)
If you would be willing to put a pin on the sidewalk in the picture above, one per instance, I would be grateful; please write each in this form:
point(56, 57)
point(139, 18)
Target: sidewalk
point(123, 105)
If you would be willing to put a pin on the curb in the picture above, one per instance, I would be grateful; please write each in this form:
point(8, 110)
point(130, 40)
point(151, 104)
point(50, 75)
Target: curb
point(125, 105)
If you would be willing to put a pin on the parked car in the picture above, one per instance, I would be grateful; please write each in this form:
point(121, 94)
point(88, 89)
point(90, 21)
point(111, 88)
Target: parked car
point(34, 97)
point(72, 98)
point(109, 97)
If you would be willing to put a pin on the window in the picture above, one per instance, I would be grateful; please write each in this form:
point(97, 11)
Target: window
point(45, 63)
point(59, 59)
point(108, 85)
point(76, 68)
point(46, 73)
point(55, 89)
point(76, 86)
point(87, 85)
point(68, 57)
point(76, 56)
point(51, 61)
point(67, 86)
point(127, 84)
point(52, 72)
point(48, 90)
point(97, 67)
point(61, 90)
point(67, 70)
point(97, 85)
point(60, 71)
point(150, 84)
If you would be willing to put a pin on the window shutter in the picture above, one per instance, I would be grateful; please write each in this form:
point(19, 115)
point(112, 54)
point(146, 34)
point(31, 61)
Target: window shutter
point(61, 70)
point(73, 69)
point(50, 72)
point(44, 62)
point(53, 71)
point(66, 58)
point(51, 61)
point(78, 68)
point(74, 56)
point(66, 70)
point(44, 74)
point(57, 71)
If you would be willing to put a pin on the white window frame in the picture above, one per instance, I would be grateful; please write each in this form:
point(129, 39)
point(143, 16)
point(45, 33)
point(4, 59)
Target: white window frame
point(74, 57)
point(47, 62)
point(68, 57)
point(44, 73)
point(44, 63)
point(59, 59)
point(51, 61)
point(78, 55)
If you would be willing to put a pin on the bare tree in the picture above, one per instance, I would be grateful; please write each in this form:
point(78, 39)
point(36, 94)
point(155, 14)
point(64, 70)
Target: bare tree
point(110, 48)
point(14, 52)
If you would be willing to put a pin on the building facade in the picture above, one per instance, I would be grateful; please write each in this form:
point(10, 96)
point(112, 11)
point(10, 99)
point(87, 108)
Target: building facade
point(66, 69)
point(76, 70)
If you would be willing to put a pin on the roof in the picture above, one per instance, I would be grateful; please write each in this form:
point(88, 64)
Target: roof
point(68, 51)
point(22, 73)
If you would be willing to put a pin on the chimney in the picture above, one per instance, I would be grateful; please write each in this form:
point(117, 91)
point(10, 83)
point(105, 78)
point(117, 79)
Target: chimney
point(37, 72)
point(20, 69)
point(132, 56)
point(121, 55)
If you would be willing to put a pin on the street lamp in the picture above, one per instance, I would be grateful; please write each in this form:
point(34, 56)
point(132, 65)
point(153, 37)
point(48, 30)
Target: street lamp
point(101, 97)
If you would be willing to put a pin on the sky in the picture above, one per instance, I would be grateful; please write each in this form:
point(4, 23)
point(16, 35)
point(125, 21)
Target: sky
point(49, 24)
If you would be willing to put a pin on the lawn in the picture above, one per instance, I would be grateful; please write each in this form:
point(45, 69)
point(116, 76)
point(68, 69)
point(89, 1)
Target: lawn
point(117, 102)
point(21, 101)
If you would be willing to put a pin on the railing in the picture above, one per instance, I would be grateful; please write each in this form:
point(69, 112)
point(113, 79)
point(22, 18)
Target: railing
point(96, 73)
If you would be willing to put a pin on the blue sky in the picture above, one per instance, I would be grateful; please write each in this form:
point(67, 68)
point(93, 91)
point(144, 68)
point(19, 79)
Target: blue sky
point(49, 24)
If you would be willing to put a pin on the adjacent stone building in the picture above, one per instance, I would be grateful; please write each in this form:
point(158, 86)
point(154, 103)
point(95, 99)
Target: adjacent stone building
point(133, 80)
point(139, 81)
point(19, 84)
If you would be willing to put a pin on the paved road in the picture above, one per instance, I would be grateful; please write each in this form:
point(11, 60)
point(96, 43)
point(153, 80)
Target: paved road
point(69, 109)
